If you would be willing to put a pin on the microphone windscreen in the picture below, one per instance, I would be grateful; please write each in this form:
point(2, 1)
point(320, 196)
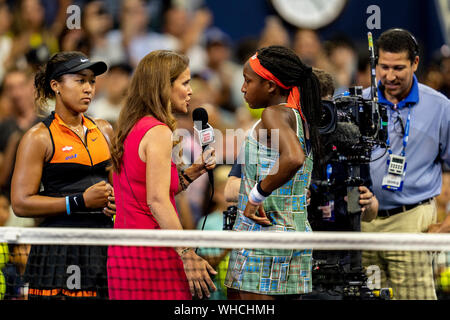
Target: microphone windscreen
point(200, 116)
point(345, 134)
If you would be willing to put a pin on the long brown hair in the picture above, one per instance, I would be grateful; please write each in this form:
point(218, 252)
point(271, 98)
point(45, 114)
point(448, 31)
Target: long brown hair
point(148, 94)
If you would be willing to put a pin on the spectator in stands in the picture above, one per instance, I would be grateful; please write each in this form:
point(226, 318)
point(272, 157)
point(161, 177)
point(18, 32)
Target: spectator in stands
point(17, 89)
point(244, 49)
point(362, 77)
point(445, 70)
point(146, 181)
point(5, 106)
point(96, 23)
point(13, 259)
point(74, 40)
point(326, 84)
point(308, 46)
point(60, 177)
point(343, 59)
point(437, 72)
point(220, 71)
point(4, 209)
point(115, 85)
point(274, 33)
point(16, 287)
point(4, 258)
point(137, 39)
point(5, 36)
point(184, 30)
point(127, 44)
point(33, 41)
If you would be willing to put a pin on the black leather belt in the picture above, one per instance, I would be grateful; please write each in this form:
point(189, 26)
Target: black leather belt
point(394, 211)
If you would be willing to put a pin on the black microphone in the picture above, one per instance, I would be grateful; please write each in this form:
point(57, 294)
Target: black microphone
point(204, 133)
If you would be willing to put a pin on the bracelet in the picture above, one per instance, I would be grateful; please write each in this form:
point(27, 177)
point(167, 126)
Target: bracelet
point(67, 206)
point(184, 251)
point(75, 203)
point(182, 183)
point(186, 176)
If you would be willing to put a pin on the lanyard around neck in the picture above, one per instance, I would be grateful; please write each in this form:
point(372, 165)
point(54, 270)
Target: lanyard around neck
point(405, 135)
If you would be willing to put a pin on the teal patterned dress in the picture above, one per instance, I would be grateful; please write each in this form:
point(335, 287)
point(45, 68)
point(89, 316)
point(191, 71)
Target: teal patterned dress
point(273, 271)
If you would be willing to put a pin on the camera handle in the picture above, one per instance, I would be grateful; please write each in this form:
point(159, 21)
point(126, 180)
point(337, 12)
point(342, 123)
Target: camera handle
point(353, 182)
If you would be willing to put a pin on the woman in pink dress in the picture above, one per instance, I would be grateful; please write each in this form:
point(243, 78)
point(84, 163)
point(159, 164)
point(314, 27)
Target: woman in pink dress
point(146, 181)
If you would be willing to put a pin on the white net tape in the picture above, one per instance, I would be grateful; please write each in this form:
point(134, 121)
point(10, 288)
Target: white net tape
point(228, 239)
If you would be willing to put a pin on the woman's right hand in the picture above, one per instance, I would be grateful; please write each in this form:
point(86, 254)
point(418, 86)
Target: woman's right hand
point(198, 272)
point(96, 196)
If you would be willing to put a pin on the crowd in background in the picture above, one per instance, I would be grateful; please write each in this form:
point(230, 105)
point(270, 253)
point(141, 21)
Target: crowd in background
point(123, 32)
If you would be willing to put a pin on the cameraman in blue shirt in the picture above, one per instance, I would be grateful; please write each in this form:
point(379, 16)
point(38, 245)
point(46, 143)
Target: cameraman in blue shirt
point(408, 174)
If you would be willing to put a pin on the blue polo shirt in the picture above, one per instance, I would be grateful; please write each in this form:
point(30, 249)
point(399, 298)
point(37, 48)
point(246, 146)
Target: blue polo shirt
point(428, 145)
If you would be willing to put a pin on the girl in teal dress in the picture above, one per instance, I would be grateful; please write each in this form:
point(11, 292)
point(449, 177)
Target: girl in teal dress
point(276, 174)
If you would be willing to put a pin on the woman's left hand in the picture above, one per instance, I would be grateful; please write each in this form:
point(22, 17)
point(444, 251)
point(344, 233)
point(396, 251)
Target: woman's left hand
point(206, 162)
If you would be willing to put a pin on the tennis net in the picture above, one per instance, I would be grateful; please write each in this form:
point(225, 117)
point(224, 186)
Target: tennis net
point(69, 263)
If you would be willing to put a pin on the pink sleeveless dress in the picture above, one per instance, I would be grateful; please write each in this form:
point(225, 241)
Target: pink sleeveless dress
point(142, 273)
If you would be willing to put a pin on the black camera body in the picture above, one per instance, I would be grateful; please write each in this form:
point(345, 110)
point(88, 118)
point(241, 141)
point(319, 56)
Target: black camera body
point(351, 126)
point(229, 217)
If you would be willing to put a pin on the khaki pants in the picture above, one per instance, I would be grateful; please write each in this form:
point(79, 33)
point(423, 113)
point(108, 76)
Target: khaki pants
point(408, 273)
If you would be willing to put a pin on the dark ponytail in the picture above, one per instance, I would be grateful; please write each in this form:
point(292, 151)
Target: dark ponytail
point(284, 64)
point(311, 104)
point(43, 90)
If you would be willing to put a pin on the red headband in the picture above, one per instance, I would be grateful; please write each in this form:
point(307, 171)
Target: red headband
point(264, 73)
point(294, 95)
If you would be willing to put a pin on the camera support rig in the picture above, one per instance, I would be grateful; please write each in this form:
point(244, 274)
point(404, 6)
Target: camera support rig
point(351, 127)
